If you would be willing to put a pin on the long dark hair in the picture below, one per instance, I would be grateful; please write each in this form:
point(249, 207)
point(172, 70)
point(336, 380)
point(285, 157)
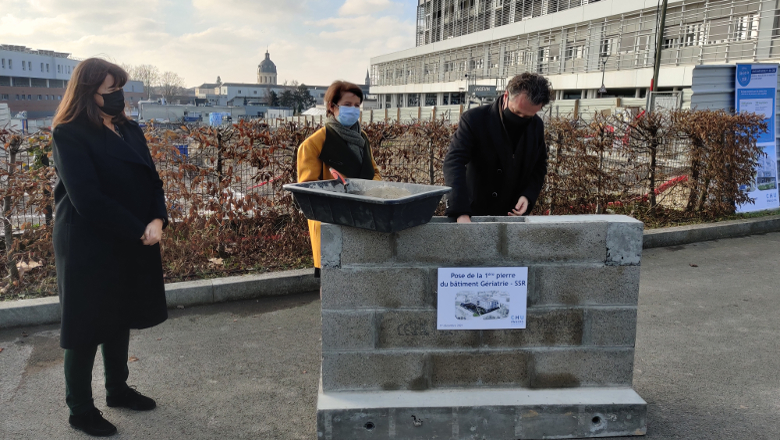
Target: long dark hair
point(79, 98)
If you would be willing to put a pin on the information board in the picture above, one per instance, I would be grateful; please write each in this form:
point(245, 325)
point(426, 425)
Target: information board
point(755, 92)
point(482, 298)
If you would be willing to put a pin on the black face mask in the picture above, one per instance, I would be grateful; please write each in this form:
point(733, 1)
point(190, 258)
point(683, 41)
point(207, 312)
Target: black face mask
point(113, 103)
point(514, 121)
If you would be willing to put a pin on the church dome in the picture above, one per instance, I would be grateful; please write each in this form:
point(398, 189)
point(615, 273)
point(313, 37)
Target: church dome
point(267, 66)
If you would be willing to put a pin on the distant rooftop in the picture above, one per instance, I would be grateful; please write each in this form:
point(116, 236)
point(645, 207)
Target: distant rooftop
point(25, 49)
point(270, 86)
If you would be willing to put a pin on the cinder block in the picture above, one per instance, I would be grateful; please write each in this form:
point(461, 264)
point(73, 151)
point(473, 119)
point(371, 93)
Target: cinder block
point(350, 330)
point(355, 288)
point(582, 421)
point(480, 368)
point(615, 326)
point(547, 328)
point(342, 371)
point(330, 245)
point(269, 284)
point(455, 244)
point(360, 246)
point(417, 329)
point(558, 242)
point(189, 293)
point(578, 367)
point(624, 243)
point(583, 284)
point(485, 414)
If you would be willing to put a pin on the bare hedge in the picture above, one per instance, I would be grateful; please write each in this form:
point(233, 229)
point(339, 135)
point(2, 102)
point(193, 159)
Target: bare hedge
point(229, 214)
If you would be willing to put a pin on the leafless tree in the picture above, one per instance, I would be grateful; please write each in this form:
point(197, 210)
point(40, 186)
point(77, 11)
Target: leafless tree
point(146, 73)
point(170, 85)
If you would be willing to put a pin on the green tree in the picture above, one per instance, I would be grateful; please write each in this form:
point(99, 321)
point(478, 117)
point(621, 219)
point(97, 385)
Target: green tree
point(273, 99)
point(287, 99)
point(303, 98)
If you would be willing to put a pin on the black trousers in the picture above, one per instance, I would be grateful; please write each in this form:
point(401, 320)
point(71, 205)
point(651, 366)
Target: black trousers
point(78, 372)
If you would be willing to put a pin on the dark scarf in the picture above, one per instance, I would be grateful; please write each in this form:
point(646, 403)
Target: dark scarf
point(352, 135)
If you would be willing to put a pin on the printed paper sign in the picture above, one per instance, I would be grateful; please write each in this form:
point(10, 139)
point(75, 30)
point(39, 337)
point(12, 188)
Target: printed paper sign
point(482, 298)
point(756, 88)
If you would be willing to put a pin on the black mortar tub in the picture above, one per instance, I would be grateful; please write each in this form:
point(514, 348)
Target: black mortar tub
point(398, 206)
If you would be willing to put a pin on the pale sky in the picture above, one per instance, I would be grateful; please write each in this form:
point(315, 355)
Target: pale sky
point(311, 41)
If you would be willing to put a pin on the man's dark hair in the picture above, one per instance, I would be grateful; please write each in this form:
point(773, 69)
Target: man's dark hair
point(537, 87)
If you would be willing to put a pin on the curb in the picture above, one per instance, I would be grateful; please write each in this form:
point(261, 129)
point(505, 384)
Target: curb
point(42, 311)
point(680, 235)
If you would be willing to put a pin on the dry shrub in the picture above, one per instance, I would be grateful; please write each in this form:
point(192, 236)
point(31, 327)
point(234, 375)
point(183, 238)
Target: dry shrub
point(229, 214)
point(228, 211)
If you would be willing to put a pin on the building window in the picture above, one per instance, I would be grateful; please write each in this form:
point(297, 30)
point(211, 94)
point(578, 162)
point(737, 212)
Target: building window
point(255, 92)
point(41, 67)
point(23, 66)
point(239, 92)
point(746, 27)
point(59, 97)
point(17, 97)
point(40, 97)
point(4, 97)
point(23, 97)
point(47, 67)
point(3, 63)
point(606, 47)
point(59, 69)
point(29, 66)
point(10, 64)
point(29, 97)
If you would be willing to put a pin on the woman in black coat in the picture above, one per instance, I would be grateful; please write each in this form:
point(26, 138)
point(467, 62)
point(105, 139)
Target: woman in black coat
point(110, 212)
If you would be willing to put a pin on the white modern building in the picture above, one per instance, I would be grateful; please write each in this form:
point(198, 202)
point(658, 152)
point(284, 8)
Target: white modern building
point(578, 44)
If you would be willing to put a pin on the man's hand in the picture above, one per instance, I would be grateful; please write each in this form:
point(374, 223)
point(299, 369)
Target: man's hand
point(520, 208)
point(464, 219)
point(153, 233)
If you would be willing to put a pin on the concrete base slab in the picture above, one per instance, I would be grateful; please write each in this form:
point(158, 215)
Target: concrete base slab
point(485, 414)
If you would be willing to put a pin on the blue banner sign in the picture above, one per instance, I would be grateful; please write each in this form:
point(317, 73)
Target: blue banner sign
point(756, 91)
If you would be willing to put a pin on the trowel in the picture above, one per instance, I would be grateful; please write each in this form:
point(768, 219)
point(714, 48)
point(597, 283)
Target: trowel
point(338, 176)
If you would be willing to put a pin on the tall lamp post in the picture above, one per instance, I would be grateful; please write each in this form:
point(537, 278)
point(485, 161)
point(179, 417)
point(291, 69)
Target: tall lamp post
point(603, 89)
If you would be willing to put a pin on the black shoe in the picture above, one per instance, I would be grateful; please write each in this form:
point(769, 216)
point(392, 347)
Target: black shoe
point(131, 399)
point(93, 423)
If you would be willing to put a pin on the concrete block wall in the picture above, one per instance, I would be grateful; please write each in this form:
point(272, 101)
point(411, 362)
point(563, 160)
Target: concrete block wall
point(379, 298)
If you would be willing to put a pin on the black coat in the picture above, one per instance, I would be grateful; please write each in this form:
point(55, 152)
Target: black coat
point(108, 192)
point(487, 174)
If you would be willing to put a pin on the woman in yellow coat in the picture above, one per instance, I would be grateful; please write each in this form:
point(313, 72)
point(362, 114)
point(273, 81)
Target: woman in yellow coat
point(340, 148)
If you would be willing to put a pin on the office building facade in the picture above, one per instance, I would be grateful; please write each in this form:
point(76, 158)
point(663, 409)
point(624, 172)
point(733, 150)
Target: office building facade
point(33, 81)
point(579, 45)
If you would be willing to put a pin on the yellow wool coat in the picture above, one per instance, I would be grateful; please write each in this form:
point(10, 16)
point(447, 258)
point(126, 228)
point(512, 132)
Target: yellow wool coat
point(311, 168)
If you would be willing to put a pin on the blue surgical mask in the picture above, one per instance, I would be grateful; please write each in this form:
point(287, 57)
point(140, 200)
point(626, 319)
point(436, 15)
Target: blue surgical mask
point(348, 115)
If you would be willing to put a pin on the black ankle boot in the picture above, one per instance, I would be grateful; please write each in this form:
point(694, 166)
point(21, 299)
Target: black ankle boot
point(93, 423)
point(131, 399)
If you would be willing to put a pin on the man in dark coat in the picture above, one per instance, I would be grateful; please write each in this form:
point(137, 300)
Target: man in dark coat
point(497, 159)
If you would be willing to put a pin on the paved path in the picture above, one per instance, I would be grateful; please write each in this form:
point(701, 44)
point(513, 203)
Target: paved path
point(707, 359)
